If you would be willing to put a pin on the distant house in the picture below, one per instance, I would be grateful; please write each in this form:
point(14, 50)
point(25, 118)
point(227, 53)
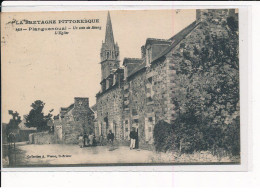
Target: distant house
point(74, 121)
point(23, 131)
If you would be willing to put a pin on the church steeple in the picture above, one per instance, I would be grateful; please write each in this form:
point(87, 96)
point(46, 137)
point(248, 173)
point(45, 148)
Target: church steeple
point(109, 40)
point(109, 53)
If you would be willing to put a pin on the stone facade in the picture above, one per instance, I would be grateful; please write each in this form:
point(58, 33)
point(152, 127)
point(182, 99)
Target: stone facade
point(144, 95)
point(109, 108)
point(74, 121)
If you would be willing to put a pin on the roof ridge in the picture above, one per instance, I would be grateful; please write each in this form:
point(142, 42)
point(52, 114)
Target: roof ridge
point(178, 39)
point(158, 39)
point(132, 58)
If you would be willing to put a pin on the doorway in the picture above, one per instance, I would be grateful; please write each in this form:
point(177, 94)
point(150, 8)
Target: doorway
point(106, 125)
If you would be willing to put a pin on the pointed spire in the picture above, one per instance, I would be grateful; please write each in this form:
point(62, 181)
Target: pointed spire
point(109, 40)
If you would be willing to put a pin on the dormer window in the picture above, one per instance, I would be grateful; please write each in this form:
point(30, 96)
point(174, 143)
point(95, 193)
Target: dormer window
point(150, 80)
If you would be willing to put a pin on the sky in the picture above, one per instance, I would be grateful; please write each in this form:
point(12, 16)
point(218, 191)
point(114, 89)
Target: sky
point(56, 68)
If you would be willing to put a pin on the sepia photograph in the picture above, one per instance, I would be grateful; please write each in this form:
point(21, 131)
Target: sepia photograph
point(120, 87)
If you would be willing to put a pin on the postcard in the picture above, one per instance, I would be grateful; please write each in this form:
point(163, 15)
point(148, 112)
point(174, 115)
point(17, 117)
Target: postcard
point(120, 87)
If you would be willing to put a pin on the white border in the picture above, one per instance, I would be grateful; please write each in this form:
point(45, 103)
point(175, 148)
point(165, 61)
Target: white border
point(245, 66)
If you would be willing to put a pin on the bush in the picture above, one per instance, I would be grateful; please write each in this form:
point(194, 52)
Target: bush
point(163, 136)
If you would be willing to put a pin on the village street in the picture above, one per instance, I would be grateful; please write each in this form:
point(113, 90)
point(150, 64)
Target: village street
point(62, 154)
point(56, 154)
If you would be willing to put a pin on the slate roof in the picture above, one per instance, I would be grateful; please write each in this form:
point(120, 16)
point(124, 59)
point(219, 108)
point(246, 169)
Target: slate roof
point(172, 42)
point(132, 60)
point(137, 69)
point(67, 109)
point(133, 65)
point(157, 41)
point(177, 39)
point(94, 107)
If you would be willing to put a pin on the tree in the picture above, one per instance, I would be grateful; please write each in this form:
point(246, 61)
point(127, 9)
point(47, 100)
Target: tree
point(163, 136)
point(207, 96)
point(36, 117)
point(12, 126)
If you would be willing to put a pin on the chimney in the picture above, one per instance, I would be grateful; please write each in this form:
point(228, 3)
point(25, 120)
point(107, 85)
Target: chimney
point(201, 15)
point(81, 102)
point(143, 51)
point(231, 12)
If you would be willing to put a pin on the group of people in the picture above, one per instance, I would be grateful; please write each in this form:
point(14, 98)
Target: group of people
point(90, 139)
point(87, 140)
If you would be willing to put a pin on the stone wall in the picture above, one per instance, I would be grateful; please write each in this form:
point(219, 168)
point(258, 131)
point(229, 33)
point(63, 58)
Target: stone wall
point(161, 86)
point(42, 138)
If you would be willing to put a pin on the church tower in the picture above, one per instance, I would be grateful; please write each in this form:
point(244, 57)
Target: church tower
point(109, 53)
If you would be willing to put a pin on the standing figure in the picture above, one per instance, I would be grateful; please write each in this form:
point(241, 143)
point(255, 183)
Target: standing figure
point(86, 140)
point(81, 141)
point(94, 140)
point(91, 139)
point(136, 139)
point(110, 137)
point(101, 140)
point(132, 138)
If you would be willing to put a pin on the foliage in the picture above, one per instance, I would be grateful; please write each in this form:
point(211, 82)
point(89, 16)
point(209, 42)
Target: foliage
point(12, 126)
point(207, 96)
point(36, 117)
point(163, 136)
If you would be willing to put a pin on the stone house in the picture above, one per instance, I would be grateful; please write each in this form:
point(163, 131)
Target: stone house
point(141, 93)
point(74, 121)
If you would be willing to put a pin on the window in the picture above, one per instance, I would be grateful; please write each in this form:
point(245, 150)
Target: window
point(150, 80)
point(134, 112)
point(150, 129)
point(150, 119)
point(107, 55)
point(149, 99)
point(126, 122)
